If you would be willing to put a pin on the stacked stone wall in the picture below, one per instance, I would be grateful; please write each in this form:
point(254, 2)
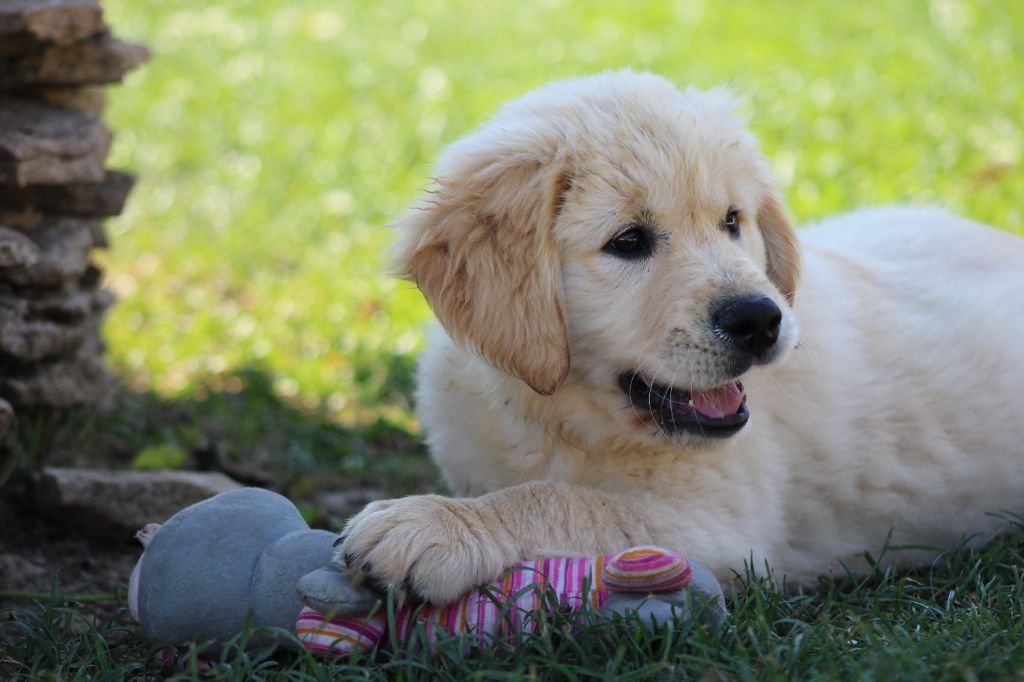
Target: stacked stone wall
point(56, 56)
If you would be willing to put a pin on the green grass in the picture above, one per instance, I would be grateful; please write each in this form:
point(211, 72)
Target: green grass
point(960, 619)
point(276, 139)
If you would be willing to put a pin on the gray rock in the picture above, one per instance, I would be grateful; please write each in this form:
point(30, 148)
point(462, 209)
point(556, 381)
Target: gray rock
point(21, 220)
point(16, 249)
point(69, 304)
point(31, 339)
point(115, 504)
point(104, 198)
point(90, 99)
point(100, 59)
point(6, 418)
point(80, 379)
point(64, 245)
point(26, 25)
point(46, 145)
point(345, 503)
point(12, 312)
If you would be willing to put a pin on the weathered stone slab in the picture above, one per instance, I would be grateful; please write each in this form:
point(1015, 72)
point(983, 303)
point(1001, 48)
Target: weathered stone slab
point(33, 340)
point(46, 145)
point(80, 199)
point(6, 417)
point(64, 245)
point(90, 99)
point(27, 25)
point(16, 249)
point(29, 219)
point(115, 504)
point(346, 503)
point(68, 304)
point(21, 220)
point(78, 380)
point(34, 329)
point(101, 59)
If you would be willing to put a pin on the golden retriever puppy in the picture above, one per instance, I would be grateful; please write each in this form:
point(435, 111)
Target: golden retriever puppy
point(638, 348)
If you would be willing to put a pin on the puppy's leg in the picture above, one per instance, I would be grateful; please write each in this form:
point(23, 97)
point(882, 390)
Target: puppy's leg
point(437, 548)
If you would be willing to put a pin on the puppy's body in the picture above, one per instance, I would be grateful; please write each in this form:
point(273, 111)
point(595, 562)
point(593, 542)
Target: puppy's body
point(615, 274)
point(896, 410)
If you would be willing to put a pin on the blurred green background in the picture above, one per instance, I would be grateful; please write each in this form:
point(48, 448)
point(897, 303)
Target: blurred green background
point(276, 140)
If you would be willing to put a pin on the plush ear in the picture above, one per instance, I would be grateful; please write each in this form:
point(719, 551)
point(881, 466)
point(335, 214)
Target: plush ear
point(782, 245)
point(482, 251)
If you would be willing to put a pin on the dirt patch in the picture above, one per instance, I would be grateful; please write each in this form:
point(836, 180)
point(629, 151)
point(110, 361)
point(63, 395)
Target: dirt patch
point(37, 555)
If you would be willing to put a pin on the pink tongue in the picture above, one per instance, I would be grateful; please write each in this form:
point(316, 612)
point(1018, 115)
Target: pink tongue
point(718, 402)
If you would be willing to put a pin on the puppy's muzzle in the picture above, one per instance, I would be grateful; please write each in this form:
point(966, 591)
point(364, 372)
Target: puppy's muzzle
point(750, 324)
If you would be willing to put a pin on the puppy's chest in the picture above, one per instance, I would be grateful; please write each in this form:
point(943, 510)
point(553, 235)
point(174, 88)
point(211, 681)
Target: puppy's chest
point(632, 467)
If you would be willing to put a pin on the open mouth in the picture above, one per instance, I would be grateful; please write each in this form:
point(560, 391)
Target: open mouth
point(716, 413)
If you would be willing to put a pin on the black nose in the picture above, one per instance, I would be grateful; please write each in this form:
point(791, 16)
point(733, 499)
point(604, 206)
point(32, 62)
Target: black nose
point(751, 323)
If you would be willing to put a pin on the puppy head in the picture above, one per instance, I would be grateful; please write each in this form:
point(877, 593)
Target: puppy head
point(618, 244)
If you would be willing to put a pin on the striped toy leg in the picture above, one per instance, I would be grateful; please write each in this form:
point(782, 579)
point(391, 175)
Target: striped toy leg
point(338, 636)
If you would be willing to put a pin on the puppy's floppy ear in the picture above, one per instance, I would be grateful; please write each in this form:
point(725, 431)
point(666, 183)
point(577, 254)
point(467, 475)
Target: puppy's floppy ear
point(481, 249)
point(781, 243)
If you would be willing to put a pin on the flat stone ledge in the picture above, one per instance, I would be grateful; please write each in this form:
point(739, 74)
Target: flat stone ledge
point(46, 145)
point(102, 59)
point(91, 199)
point(6, 418)
point(27, 25)
point(116, 503)
point(16, 250)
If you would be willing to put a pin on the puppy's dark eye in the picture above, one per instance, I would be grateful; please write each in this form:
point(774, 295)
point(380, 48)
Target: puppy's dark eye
point(731, 223)
point(632, 243)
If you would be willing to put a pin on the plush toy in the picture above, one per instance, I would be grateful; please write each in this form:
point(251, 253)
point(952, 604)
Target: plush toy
point(247, 556)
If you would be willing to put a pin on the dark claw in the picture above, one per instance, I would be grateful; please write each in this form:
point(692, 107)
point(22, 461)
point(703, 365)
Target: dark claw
point(412, 596)
point(350, 559)
point(377, 585)
point(367, 567)
point(339, 541)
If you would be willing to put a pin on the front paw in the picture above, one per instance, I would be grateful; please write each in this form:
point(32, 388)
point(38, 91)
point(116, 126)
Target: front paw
point(429, 547)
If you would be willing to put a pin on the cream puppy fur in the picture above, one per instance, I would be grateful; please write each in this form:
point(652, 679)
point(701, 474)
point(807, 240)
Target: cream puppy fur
point(609, 259)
